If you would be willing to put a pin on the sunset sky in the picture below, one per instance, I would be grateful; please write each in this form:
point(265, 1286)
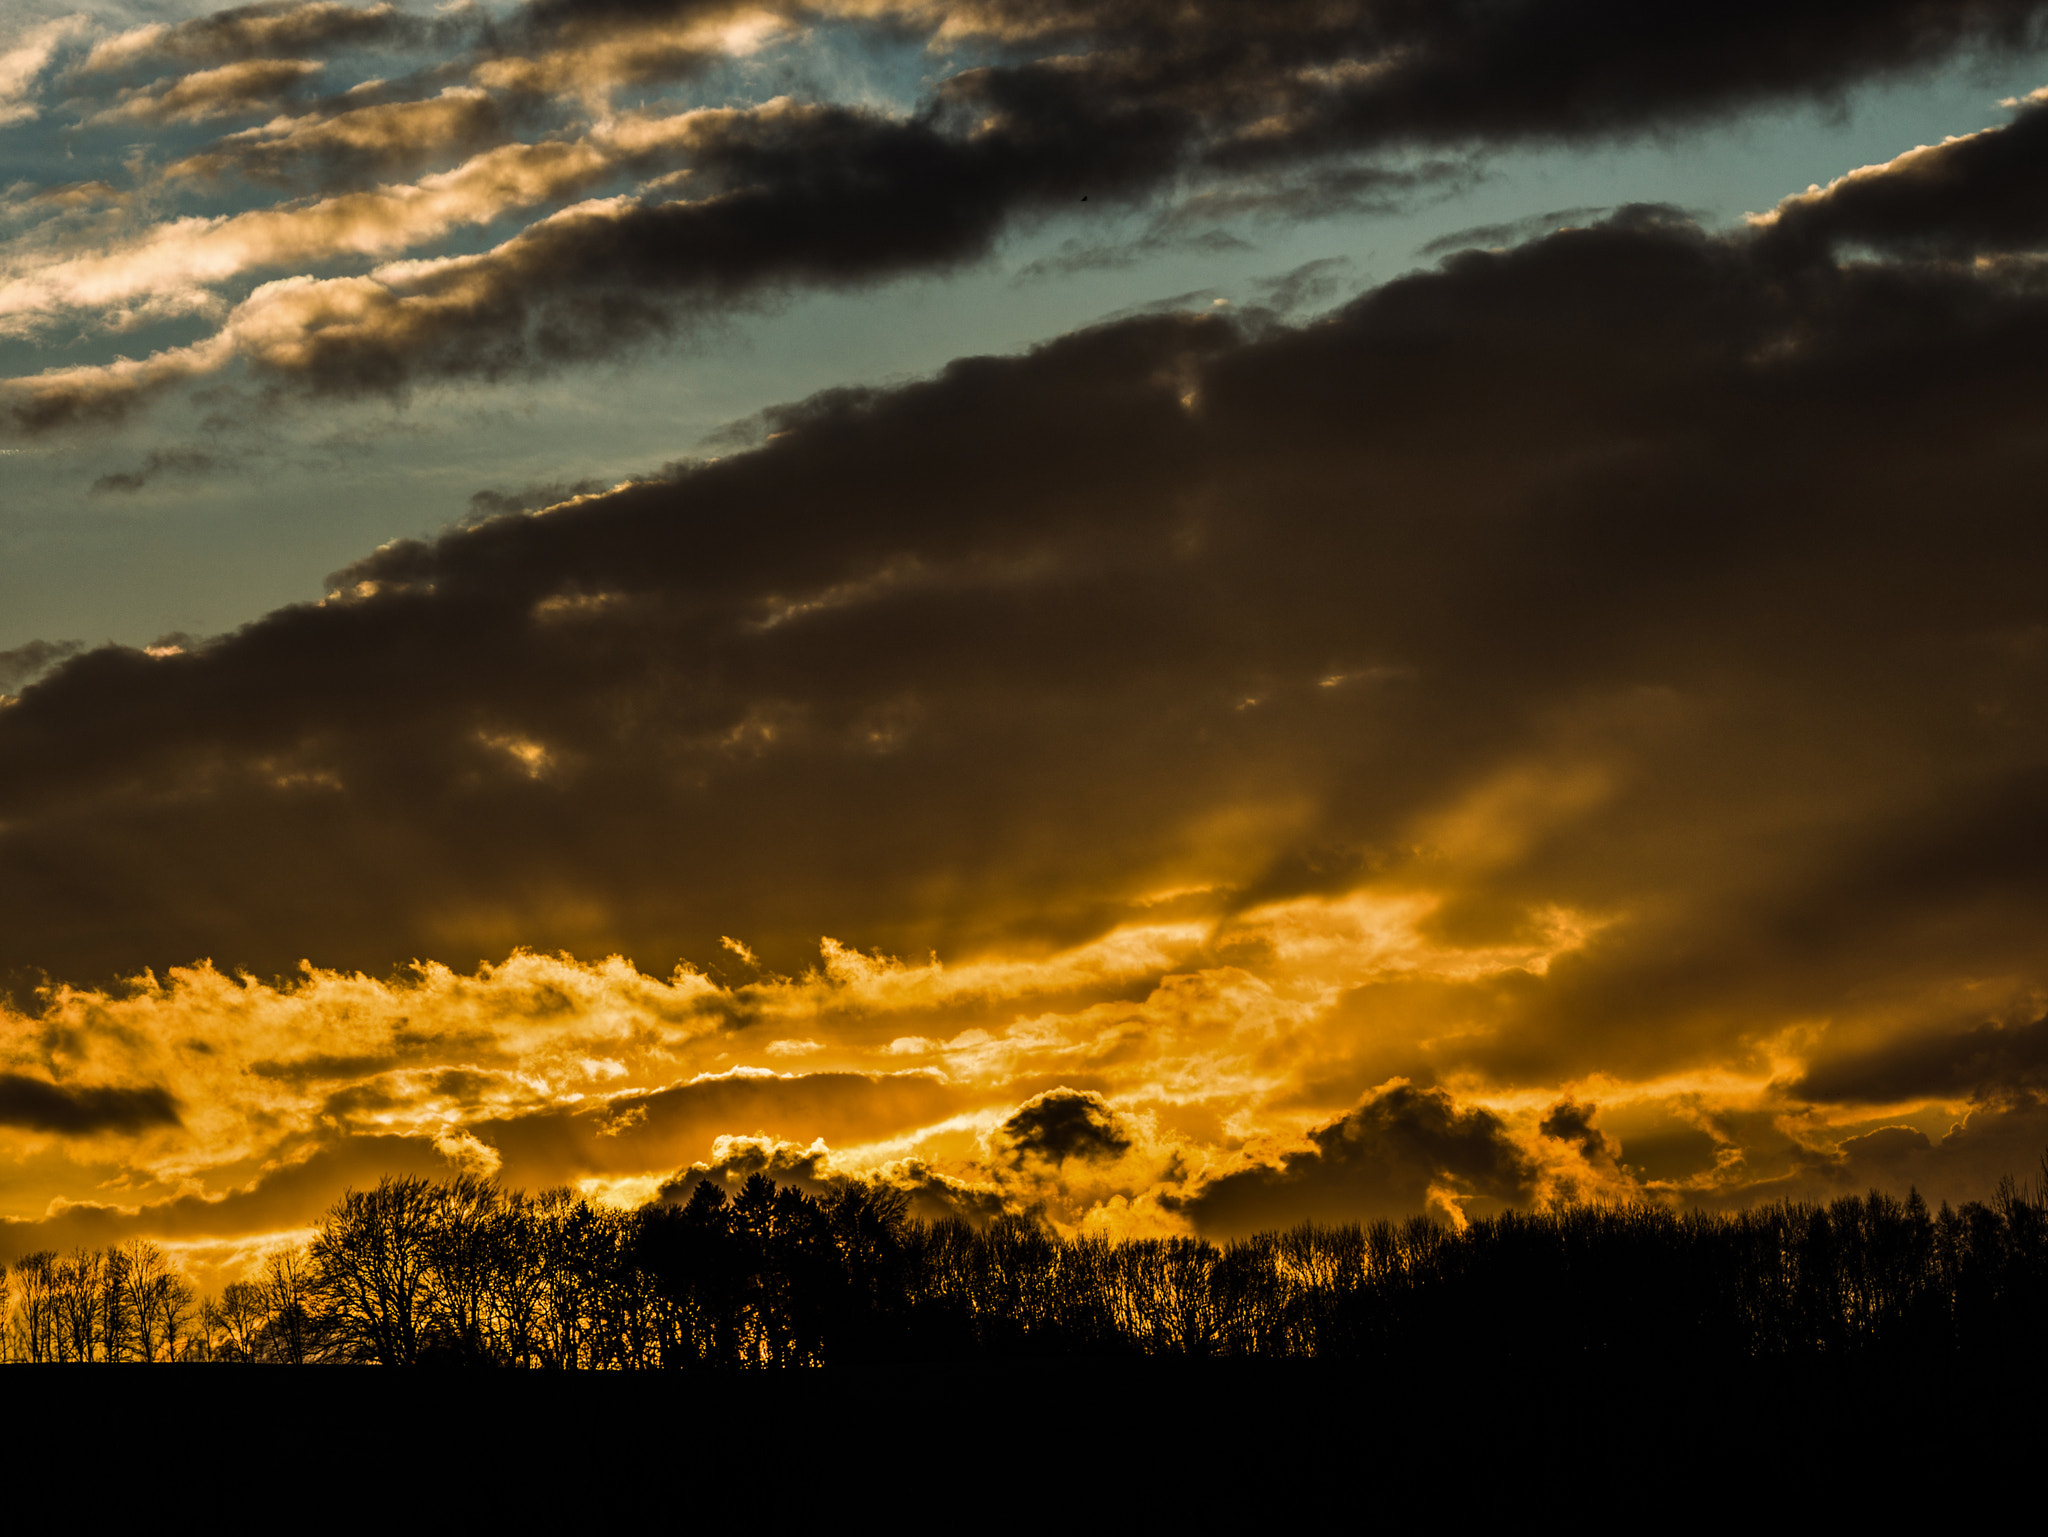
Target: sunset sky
point(1190, 615)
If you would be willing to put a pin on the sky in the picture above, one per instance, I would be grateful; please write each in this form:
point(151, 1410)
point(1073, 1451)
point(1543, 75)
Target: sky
point(1186, 616)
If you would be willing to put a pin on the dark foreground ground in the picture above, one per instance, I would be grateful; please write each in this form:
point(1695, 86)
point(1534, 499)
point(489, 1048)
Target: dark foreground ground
point(1215, 1446)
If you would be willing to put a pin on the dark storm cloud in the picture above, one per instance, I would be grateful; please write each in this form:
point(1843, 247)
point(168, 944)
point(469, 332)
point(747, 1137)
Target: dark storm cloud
point(1292, 79)
point(1987, 1062)
point(796, 196)
point(642, 578)
point(1309, 75)
point(1632, 573)
point(1572, 68)
point(1279, 81)
point(554, 18)
point(1571, 1122)
point(1383, 1159)
point(26, 663)
point(1061, 1124)
point(38, 1105)
point(1982, 192)
point(832, 196)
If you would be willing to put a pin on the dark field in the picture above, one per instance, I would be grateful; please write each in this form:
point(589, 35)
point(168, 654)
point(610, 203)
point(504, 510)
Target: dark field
point(1023, 1443)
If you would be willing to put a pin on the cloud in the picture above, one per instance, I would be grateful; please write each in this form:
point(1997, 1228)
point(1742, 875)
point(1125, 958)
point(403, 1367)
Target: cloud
point(1572, 1123)
point(468, 1154)
point(37, 1105)
point(253, 31)
point(1197, 222)
point(289, 1195)
point(160, 462)
point(1989, 1061)
point(1661, 521)
point(735, 1160)
point(491, 503)
point(790, 194)
point(1251, 771)
point(545, 48)
point(1514, 232)
point(1295, 79)
point(663, 1129)
point(1061, 1124)
point(1310, 286)
point(24, 664)
point(1404, 1148)
point(1977, 193)
point(231, 90)
point(170, 268)
point(100, 393)
point(263, 1071)
point(816, 1170)
point(1079, 256)
point(356, 143)
point(1964, 1162)
point(25, 60)
point(1232, 115)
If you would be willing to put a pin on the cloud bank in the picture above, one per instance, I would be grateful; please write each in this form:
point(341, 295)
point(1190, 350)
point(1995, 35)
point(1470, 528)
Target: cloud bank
point(1563, 725)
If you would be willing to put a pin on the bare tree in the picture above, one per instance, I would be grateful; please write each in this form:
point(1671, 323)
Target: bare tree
point(567, 1237)
point(32, 1327)
point(464, 1246)
point(234, 1322)
point(158, 1308)
point(373, 1271)
point(79, 1284)
point(287, 1288)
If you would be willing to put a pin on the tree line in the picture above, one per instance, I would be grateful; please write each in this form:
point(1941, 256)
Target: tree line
point(124, 1303)
point(462, 1272)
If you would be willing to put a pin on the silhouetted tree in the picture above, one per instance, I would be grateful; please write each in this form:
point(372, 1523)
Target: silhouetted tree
point(465, 1251)
point(372, 1267)
point(235, 1322)
point(33, 1326)
point(289, 1332)
point(157, 1304)
point(773, 1277)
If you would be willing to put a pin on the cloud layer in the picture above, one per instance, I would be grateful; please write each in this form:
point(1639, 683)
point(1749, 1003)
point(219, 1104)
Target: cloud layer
point(1294, 109)
point(1563, 725)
